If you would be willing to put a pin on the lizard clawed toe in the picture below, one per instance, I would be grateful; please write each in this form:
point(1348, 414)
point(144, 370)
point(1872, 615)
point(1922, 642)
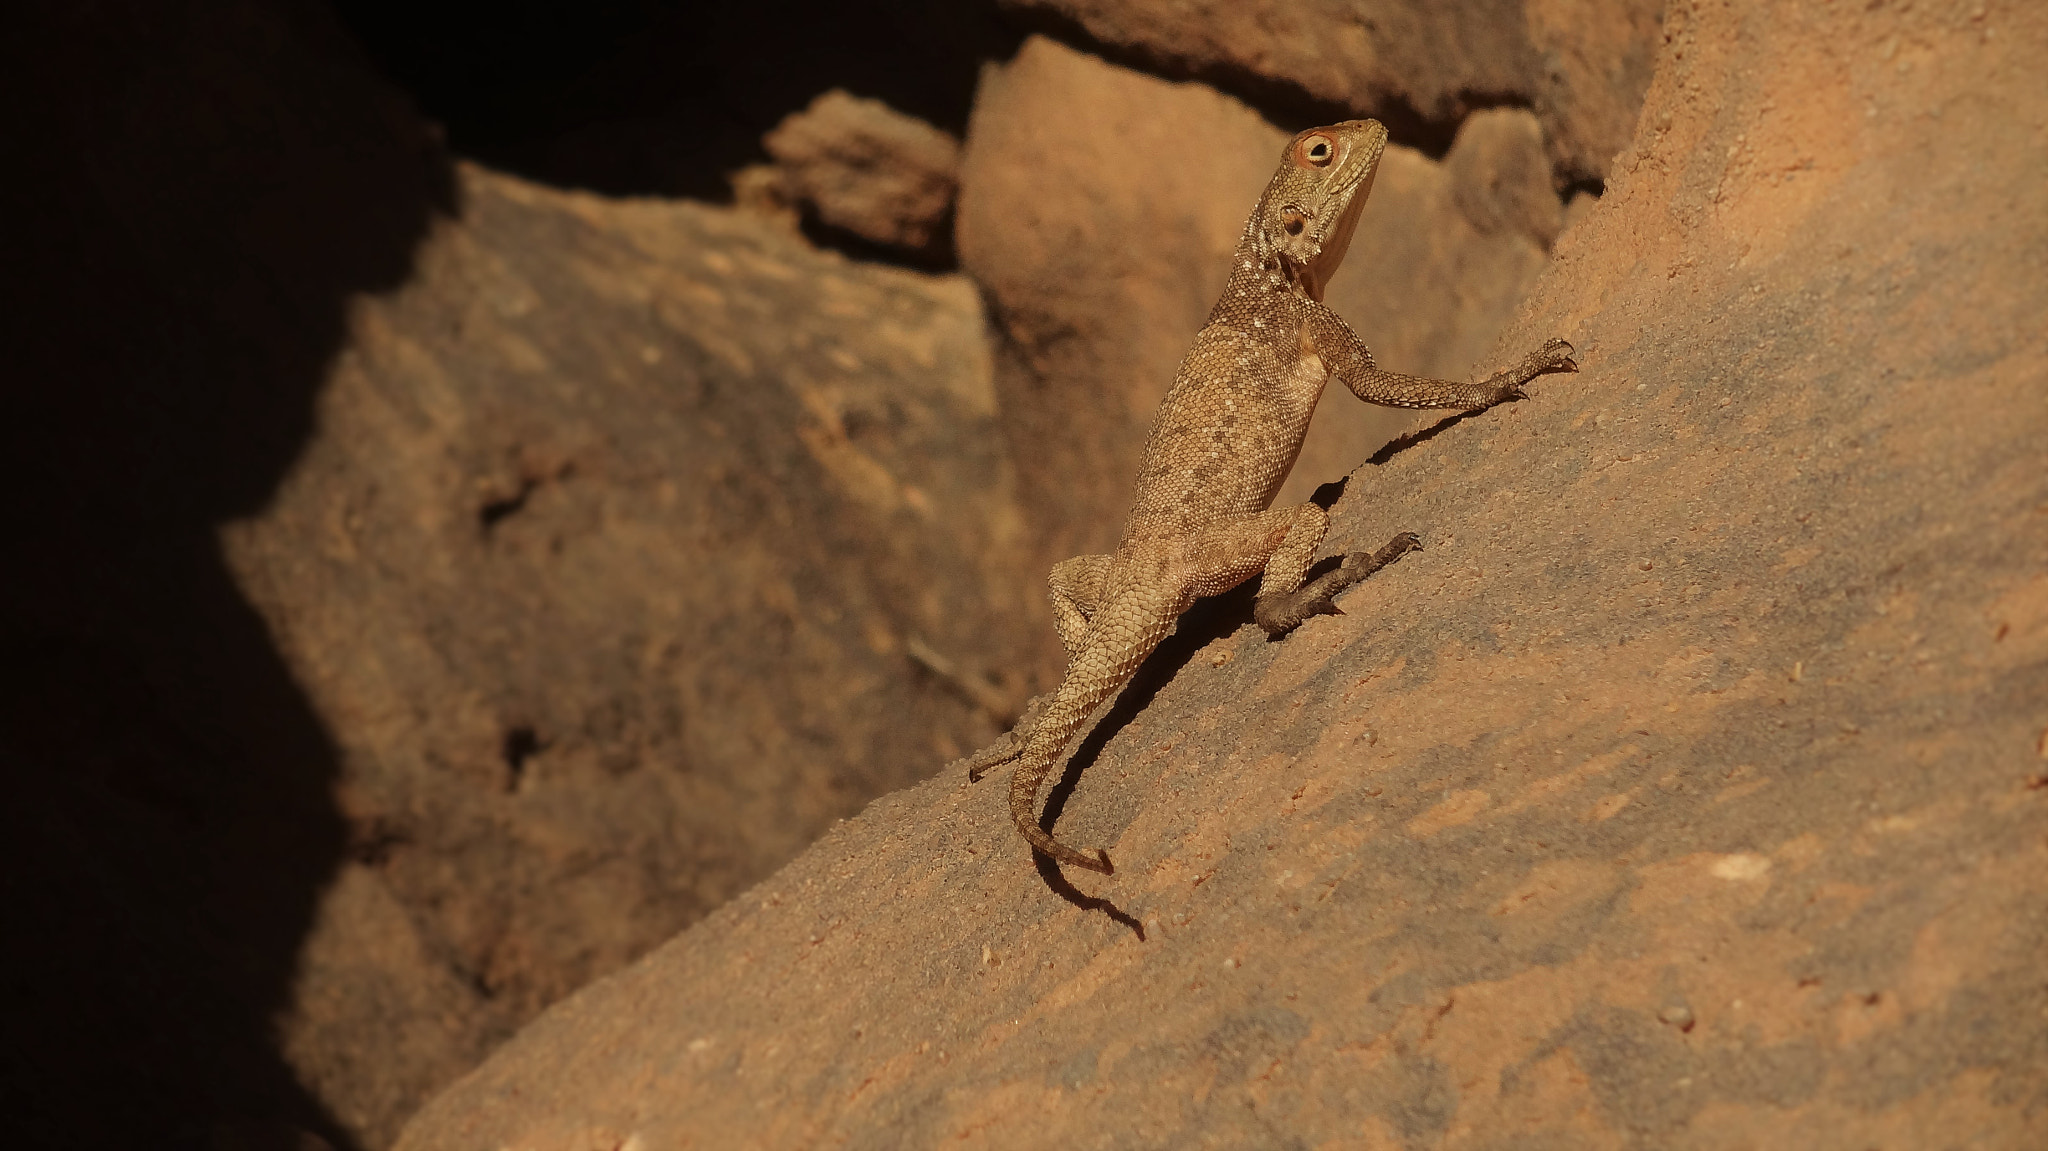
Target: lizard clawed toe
point(1008, 748)
point(1557, 355)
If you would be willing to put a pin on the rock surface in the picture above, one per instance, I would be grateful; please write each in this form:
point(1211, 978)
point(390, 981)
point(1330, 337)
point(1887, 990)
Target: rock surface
point(887, 177)
point(1582, 64)
point(1686, 791)
point(637, 543)
point(606, 568)
point(1099, 207)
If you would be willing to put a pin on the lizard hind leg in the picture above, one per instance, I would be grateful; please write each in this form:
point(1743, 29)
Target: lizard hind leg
point(1010, 744)
point(1006, 748)
point(1281, 611)
point(1076, 586)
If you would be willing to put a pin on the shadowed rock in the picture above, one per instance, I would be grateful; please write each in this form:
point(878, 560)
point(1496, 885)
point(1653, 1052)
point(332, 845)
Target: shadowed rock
point(607, 569)
point(871, 170)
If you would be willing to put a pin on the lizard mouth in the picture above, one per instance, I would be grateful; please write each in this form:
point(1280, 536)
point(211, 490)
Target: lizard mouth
point(1327, 245)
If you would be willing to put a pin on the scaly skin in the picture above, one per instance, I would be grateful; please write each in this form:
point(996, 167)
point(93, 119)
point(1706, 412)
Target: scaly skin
point(1225, 438)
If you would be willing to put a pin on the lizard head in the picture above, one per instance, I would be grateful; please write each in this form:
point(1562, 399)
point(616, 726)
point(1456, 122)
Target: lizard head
point(1305, 220)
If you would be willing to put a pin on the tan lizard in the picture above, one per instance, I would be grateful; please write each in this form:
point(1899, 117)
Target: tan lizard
point(1225, 438)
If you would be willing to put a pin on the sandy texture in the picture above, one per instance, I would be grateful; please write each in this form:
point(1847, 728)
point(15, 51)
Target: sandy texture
point(1687, 791)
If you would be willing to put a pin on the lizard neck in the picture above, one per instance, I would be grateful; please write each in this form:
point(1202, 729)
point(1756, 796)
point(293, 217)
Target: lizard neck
point(1263, 297)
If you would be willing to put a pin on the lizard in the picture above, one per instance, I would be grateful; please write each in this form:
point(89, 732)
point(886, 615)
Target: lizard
point(1225, 437)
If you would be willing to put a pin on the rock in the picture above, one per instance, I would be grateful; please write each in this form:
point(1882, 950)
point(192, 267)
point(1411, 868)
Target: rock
point(604, 571)
point(1796, 485)
point(1099, 207)
point(1424, 66)
point(764, 190)
point(871, 170)
point(1498, 176)
point(1595, 61)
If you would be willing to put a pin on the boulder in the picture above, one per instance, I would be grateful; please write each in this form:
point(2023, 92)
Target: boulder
point(868, 169)
point(617, 568)
point(1422, 65)
point(1685, 790)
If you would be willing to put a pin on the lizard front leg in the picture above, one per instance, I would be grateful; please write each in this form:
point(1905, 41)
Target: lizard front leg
point(1349, 360)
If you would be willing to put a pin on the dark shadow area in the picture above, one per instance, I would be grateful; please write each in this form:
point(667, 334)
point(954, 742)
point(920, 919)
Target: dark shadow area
point(195, 192)
point(666, 97)
point(1057, 881)
point(1402, 443)
point(939, 258)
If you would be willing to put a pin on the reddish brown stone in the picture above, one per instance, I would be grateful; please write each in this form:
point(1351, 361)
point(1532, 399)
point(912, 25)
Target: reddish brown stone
point(1678, 794)
point(1582, 64)
point(865, 167)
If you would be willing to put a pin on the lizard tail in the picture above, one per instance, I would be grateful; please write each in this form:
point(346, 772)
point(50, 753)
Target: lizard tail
point(1024, 812)
point(1077, 697)
point(1101, 667)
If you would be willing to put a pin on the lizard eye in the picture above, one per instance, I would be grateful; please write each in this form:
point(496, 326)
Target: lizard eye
point(1319, 150)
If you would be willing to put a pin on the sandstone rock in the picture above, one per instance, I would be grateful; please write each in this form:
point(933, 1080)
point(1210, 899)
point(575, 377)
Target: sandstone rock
point(867, 168)
point(1098, 210)
point(1582, 64)
point(603, 569)
point(1498, 177)
point(1718, 687)
point(1595, 58)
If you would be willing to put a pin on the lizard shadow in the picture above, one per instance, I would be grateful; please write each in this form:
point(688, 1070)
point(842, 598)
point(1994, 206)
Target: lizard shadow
point(1403, 442)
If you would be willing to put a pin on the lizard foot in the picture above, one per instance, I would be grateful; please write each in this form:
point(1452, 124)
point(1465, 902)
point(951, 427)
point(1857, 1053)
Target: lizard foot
point(1007, 746)
point(993, 756)
point(1282, 614)
point(1554, 356)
